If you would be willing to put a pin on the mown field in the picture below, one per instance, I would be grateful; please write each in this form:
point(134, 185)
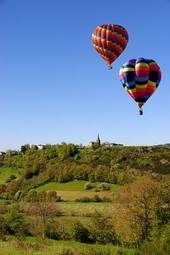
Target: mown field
point(73, 190)
point(72, 186)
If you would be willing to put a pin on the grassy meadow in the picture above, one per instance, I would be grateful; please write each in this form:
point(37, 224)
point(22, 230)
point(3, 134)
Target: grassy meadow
point(36, 246)
point(73, 190)
point(6, 172)
point(76, 185)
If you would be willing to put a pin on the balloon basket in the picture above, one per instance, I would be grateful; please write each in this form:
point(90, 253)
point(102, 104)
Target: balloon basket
point(140, 112)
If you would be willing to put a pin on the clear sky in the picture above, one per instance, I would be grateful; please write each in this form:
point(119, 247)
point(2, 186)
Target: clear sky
point(54, 87)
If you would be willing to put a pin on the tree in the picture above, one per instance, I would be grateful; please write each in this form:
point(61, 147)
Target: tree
point(44, 207)
point(102, 229)
point(34, 147)
point(66, 151)
point(163, 206)
point(135, 210)
point(24, 148)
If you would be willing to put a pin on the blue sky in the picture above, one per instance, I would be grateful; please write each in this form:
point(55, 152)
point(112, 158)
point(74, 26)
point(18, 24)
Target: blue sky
point(54, 87)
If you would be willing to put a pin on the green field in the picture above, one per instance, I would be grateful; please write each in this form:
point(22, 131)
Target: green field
point(6, 172)
point(36, 246)
point(71, 212)
point(71, 186)
point(84, 209)
point(70, 191)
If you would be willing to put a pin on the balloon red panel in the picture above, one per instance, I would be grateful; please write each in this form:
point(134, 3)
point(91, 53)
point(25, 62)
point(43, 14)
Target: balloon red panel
point(110, 40)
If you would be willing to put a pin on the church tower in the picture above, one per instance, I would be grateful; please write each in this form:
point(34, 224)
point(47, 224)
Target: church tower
point(98, 141)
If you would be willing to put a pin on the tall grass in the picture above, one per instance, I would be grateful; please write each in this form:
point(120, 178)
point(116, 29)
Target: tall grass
point(36, 246)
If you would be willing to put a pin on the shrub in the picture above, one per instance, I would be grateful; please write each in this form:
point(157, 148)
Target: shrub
point(66, 252)
point(51, 195)
point(97, 189)
point(105, 251)
point(14, 223)
point(96, 198)
point(51, 231)
point(104, 186)
point(28, 174)
point(13, 187)
point(32, 196)
point(157, 247)
point(59, 199)
point(11, 178)
point(2, 226)
point(88, 186)
point(64, 178)
point(83, 199)
point(106, 199)
point(18, 194)
point(80, 233)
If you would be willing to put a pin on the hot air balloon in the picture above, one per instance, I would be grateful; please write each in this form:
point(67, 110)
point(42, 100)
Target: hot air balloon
point(110, 40)
point(140, 78)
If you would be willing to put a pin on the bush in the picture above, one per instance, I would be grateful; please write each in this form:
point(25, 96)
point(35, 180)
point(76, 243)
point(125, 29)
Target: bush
point(51, 195)
point(11, 178)
point(51, 232)
point(32, 196)
point(88, 186)
point(2, 227)
point(66, 252)
point(105, 251)
point(83, 199)
point(106, 199)
point(13, 187)
point(80, 233)
point(28, 174)
point(97, 189)
point(157, 247)
point(13, 223)
point(104, 186)
point(64, 178)
point(18, 194)
point(96, 198)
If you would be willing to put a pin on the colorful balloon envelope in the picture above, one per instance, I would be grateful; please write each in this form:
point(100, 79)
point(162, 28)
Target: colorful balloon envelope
point(110, 40)
point(140, 78)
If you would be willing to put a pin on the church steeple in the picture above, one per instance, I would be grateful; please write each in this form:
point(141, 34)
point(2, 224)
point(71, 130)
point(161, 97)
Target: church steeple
point(97, 143)
point(98, 140)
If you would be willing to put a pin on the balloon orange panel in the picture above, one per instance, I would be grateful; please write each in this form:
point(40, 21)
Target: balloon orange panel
point(110, 40)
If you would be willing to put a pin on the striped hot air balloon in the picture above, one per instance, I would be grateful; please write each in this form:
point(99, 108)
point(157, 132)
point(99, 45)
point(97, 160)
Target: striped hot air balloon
point(140, 78)
point(110, 40)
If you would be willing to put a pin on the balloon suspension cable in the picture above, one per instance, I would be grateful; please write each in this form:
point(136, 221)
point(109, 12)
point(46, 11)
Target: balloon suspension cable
point(140, 111)
point(109, 67)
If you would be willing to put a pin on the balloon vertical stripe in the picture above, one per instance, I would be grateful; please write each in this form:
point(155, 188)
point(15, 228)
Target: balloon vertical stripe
point(140, 78)
point(110, 41)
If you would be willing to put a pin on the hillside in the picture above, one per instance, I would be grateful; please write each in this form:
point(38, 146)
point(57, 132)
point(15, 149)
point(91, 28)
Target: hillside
point(32, 167)
point(85, 194)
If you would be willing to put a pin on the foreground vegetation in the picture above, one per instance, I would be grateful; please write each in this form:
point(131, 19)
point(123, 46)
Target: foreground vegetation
point(100, 199)
point(34, 246)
